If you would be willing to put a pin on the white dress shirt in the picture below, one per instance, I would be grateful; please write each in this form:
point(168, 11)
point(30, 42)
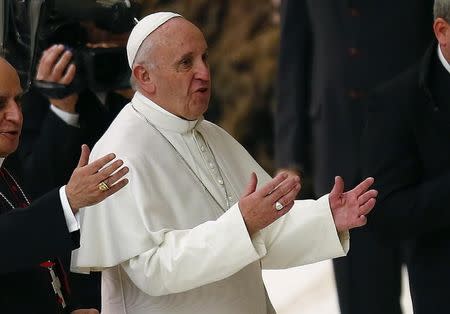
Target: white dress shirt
point(442, 59)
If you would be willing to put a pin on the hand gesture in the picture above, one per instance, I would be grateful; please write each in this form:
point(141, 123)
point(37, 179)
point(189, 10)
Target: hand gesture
point(259, 208)
point(55, 67)
point(349, 209)
point(89, 185)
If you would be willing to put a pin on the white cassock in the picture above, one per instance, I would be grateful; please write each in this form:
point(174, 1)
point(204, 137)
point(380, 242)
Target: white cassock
point(172, 241)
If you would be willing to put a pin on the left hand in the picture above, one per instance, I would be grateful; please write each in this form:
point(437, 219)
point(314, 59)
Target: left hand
point(349, 209)
point(85, 311)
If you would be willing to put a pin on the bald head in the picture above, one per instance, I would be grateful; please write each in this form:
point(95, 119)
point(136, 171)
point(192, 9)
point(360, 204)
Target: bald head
point(10, 110)
point(7, 71)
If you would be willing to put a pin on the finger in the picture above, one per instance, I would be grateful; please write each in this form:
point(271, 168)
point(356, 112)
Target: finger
point(96, 165)
point(107, 171)
point(43, 70)
point(251, 186)
point(366, 196)
point(363, 186)
point(61, 65)
point(49, 62)
point(106, 174)
point(69, 76)
point(84, 157)
point(367, 207)
point(361, 221)
point(291, 196)
point(116, 176)
point(338, 187)
point(116, 187)
point(285, 209)
point(284, 188)
point(272, 184)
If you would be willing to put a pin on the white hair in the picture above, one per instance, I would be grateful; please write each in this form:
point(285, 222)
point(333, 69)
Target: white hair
point(442, 9)
point(143, 57)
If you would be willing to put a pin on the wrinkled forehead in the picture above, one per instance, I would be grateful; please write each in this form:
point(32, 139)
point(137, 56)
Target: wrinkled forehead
point(9, 80)
point(178, 35)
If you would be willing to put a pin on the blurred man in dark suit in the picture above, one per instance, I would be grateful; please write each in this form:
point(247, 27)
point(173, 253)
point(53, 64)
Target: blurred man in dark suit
point(408, 127)
point(332, 53)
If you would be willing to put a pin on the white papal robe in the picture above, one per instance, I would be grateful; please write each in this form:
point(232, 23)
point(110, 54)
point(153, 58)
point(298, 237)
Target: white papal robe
point(167, 243)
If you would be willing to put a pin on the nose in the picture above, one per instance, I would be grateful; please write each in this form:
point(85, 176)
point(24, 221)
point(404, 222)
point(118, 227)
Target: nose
point(202, 71)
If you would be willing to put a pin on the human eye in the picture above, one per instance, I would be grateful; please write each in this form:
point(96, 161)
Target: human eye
point(205, 57)
point(186, 62)
point(18, 100)
point(3, 101)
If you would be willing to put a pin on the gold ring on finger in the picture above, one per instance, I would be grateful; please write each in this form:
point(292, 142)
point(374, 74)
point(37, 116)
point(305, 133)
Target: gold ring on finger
point(103, 186)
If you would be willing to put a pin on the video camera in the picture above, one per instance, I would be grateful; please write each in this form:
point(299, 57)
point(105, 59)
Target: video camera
point(27, 27)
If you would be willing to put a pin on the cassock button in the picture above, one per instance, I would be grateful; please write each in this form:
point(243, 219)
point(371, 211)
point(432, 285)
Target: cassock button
point(211, 165)
point(353, 52)
point(220, 181)
point(202, 148)
point(354, 12)
point(355, 94)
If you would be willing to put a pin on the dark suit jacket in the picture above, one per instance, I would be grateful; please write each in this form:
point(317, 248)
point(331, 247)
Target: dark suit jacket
point(406, 148)
point(50, 150)
point(332, 53)
point(29, 236)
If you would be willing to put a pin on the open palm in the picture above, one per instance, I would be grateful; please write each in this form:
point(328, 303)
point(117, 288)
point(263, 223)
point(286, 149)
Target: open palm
point(349, 209)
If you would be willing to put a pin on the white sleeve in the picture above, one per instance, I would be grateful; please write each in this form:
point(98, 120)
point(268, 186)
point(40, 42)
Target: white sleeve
point(68, 117)
point(71, 219)
point(305, 235)
point(187, 259)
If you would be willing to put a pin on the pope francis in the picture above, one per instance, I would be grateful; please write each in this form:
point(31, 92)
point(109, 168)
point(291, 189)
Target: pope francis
point(199, 218)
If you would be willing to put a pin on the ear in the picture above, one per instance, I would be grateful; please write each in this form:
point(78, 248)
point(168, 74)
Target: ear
point(143, 79)
point(442, 31)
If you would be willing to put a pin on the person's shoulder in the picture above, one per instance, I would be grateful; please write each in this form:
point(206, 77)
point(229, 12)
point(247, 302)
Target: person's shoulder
point(122, 135)
point(216, 132)
point(402, 84)
point(397, 94)
point(212, 127)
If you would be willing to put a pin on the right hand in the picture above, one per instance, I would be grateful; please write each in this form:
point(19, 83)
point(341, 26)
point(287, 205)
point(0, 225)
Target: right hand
point(82, 189)
point(258, 207)
point(55, 67)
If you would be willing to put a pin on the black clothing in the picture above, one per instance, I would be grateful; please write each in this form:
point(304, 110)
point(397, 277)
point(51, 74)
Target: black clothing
point(406, 150)
point(28, 237)
point(50, 150)
point(332, 53)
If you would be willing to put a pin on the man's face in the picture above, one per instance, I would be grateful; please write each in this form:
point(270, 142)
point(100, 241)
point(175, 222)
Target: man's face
point(10, 111)
point(181, 72)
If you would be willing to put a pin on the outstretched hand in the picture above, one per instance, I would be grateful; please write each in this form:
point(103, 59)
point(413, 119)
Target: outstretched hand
point(258, 207)
point(349, 209)
point(83, 188)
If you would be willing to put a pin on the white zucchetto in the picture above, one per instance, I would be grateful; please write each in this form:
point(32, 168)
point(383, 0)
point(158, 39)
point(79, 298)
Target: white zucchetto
point(142, 29)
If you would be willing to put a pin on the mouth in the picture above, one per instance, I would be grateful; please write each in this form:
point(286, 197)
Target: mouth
point(12, 133)
point(202, 90)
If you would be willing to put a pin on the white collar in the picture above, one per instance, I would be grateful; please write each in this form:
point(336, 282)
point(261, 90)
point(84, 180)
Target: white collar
point(443, 60)
point(160, 117)
point(2, 159)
